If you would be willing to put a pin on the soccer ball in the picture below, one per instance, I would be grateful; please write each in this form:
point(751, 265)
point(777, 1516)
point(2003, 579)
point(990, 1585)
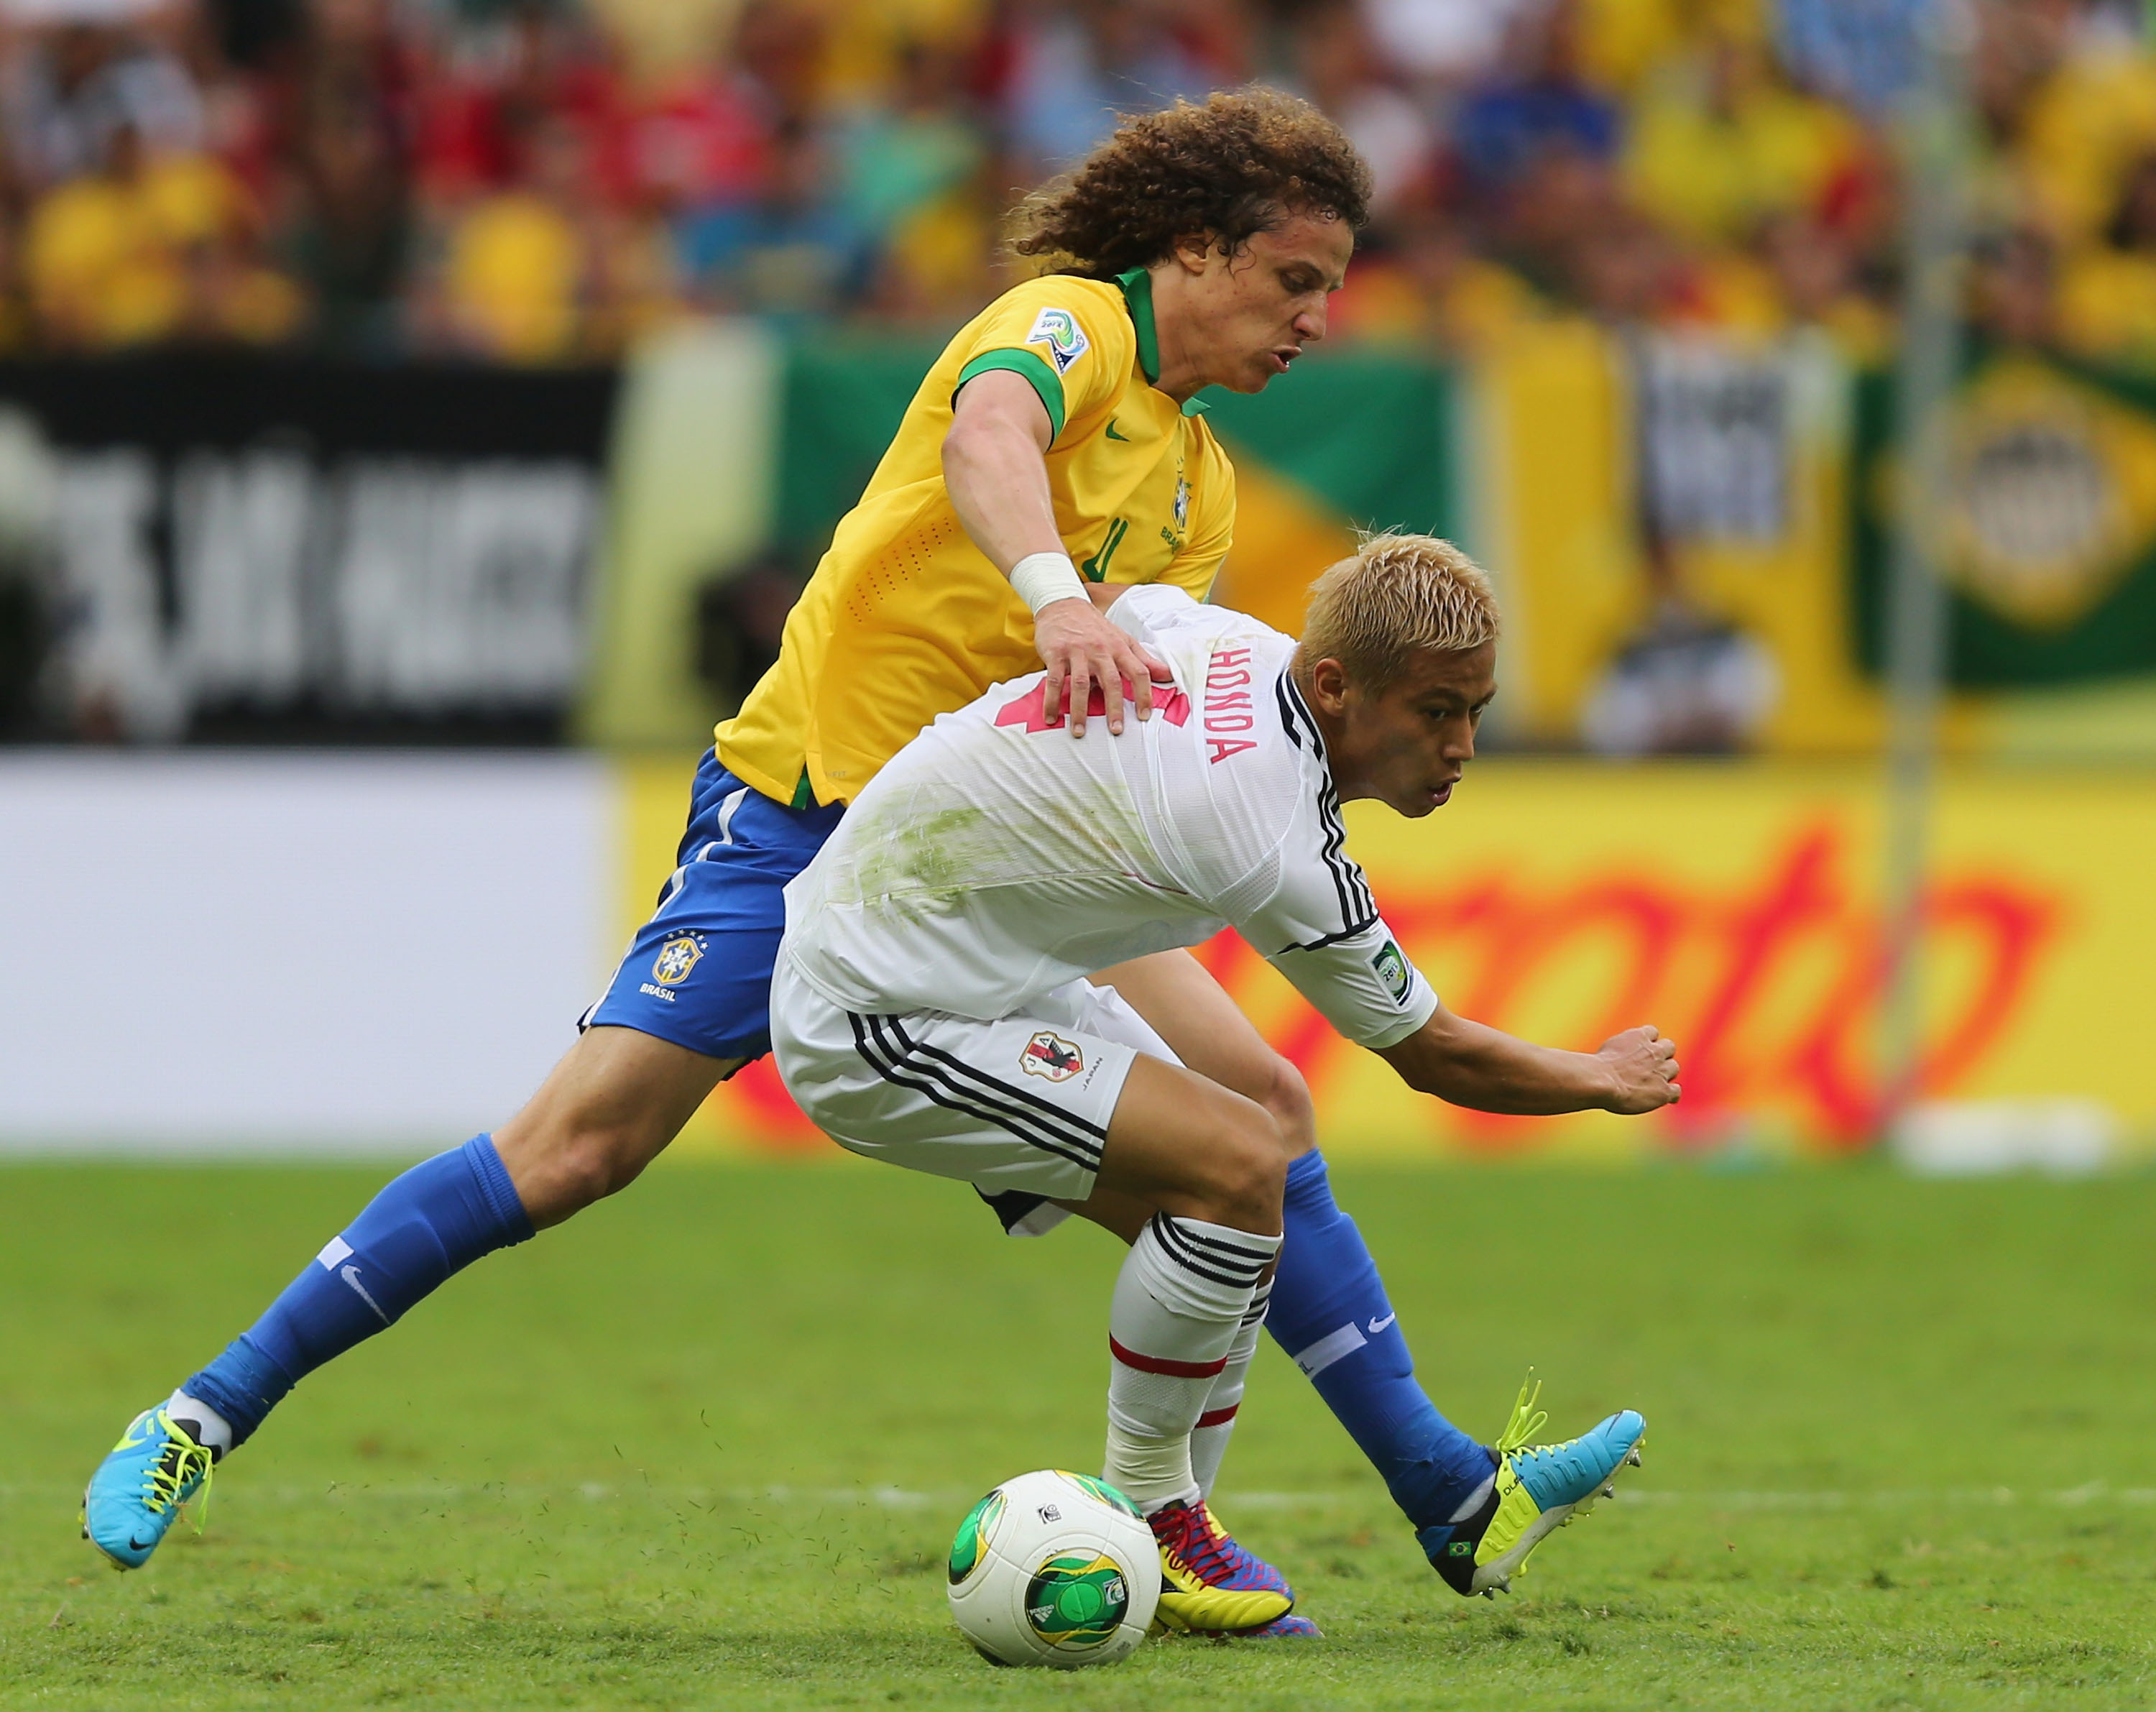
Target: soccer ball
point(1055, 1569)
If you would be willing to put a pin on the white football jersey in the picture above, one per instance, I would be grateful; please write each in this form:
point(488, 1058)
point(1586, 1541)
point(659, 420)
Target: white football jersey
point(995, 858)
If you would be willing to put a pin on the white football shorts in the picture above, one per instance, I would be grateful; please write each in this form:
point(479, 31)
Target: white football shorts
point(1021, 1104)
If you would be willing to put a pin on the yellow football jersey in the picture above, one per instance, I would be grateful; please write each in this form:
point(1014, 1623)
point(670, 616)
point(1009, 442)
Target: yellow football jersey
point(906, 618)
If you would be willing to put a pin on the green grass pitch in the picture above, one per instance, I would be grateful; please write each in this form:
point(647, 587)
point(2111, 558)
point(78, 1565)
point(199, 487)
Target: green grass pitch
point(705, 1447)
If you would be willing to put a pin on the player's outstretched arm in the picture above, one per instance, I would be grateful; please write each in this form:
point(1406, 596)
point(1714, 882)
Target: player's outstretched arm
point(994, 470)
point(1470, 1064)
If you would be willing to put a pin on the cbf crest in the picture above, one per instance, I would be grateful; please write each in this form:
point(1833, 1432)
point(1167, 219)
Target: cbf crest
point(676, 958)
point(1049, 1054)
point(1182, 504)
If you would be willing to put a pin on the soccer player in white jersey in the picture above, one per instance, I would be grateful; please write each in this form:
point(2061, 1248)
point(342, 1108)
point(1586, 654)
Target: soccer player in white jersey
point(931, 1005)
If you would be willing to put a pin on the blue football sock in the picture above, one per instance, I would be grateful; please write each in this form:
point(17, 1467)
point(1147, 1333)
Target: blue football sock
point(433, 1221)
point(1330, 1314)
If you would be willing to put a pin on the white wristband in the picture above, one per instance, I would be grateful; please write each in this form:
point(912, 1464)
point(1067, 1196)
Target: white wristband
point(1040, 578)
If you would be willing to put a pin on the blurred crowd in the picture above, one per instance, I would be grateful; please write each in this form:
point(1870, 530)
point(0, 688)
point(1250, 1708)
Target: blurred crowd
point(540, 181)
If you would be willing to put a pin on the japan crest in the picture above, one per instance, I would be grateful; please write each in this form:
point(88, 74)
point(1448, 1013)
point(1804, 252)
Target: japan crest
point(1049, 1054)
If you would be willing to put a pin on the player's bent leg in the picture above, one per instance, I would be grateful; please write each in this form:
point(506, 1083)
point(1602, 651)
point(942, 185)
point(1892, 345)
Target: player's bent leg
point(688, 1005)
point(1038, 1106)
point(1173, 994)
point(1226, 1562)
point(1187, 1298)
point(1329, 1309)
point(613, 1102)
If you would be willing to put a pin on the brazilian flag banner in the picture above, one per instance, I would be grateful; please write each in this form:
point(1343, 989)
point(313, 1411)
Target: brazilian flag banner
point(2047, 539)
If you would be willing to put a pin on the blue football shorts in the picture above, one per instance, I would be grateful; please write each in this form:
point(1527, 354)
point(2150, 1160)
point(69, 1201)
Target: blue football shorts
point(698, 973)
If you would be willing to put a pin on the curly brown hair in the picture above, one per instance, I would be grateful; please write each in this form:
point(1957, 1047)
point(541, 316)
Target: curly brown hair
point(1240, 164)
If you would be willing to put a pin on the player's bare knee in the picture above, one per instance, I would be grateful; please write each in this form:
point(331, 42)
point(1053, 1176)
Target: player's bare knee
point(1244, 1174)
point(1286, 1098)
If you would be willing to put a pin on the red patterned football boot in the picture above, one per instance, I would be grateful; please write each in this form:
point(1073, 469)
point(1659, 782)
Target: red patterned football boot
point(1211, 1585)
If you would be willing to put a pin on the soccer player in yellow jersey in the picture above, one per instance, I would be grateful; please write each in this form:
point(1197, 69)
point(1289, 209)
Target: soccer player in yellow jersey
point(1056, 446)
point(1043, 432)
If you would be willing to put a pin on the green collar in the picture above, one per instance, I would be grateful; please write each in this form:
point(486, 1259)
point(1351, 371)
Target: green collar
point(1136, 286)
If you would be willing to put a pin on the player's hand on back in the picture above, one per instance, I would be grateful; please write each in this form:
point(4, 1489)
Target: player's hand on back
point(1080, 649)
point(1643, 1071)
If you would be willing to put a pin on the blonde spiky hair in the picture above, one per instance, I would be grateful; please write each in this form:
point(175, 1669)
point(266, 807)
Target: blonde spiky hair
point(1395, 593)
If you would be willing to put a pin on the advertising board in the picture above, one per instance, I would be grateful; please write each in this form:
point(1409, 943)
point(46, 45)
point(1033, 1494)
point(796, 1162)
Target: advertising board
point(1733, 905)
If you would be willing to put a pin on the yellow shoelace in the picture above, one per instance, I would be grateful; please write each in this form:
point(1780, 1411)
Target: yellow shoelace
point(171, 1472)
point(1526, 1419)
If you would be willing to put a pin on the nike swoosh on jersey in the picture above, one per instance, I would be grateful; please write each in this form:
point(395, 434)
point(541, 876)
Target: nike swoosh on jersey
point(1112, 434)
point(1379, 1325)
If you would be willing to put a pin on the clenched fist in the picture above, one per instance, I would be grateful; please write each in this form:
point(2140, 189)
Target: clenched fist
point(1643, 1071)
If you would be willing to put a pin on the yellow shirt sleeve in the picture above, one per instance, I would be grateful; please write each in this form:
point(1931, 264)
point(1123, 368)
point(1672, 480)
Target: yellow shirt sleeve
point(1212, 522)
point(1070, 339)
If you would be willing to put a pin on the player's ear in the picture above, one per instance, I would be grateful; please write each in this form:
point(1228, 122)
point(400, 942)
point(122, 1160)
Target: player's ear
point(1328, 688)
point(1193, 251)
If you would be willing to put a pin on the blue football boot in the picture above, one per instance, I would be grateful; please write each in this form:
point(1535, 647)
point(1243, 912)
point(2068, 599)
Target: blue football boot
point(135, 1494)
point(1539, 1489)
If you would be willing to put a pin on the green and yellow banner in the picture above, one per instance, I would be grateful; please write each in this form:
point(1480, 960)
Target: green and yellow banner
point(735, 449)
point(2047, 536)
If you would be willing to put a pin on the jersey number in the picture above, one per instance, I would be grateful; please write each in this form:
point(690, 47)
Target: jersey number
point(1096, 567)
point(1030, 710)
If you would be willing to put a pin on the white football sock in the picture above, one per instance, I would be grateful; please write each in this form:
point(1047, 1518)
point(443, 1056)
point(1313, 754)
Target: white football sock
point(215, 1431)
point(1216, 1422)
point(1178, 1308)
